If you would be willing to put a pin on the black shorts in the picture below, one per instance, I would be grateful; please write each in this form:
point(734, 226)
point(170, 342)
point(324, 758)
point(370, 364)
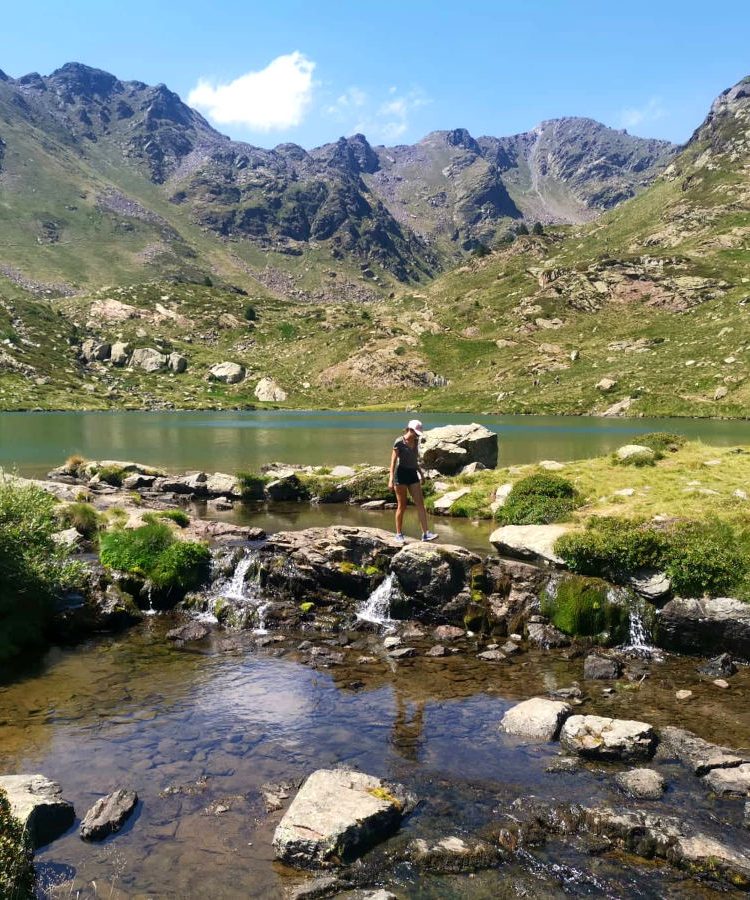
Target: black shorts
point(406, 476)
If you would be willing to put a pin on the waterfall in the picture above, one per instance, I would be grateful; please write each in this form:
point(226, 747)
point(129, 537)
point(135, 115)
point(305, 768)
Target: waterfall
point(243, 592)
point(377, 607)
point(149, 592)
point(639, 638)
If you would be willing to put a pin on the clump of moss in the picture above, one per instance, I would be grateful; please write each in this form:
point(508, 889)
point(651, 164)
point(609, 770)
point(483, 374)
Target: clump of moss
point(112, 475)
point(178, 516)
point(16, 856)
point(581, 607)
point(538, 500)
point(184, 566)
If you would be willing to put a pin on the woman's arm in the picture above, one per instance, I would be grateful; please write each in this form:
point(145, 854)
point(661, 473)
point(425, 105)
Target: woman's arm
point(394, 462)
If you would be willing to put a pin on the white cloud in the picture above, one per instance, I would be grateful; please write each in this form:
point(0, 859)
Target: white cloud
point(379, 118)
point(634, 116)
point(274, 99)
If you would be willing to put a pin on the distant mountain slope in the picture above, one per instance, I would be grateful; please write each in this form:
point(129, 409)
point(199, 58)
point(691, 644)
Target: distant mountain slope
point(105, 180)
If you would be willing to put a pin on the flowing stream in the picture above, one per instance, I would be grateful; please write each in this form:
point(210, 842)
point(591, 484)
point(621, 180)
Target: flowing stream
point(377, 607)
point(246, 592)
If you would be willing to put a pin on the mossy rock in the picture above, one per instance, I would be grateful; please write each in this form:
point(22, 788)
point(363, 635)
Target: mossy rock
point(583, 607)
point(475, 616)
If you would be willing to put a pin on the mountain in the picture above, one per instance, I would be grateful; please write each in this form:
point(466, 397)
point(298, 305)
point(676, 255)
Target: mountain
point(643, 310)
point(105, 180)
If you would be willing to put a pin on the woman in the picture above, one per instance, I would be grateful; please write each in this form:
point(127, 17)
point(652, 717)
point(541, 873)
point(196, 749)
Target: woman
point(406, 475)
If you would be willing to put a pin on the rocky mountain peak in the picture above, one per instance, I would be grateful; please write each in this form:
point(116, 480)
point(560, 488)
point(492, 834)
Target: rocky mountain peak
point(460, 137)
point(76, 81)
point(3, 76)
point(353, 155)
point(726, 128)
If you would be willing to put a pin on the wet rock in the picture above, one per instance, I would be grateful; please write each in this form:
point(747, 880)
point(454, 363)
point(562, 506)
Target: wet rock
point(274, 794)
point(683, 694)
point(510, 648)
point(545, 636)
point(567, 693)
point(336, 816)
point(191, 631)
point(599, 737)
point(108, 814)
point(563, 764)
point(538, 718)
point(706, 626)
point(698, 755)
point(437, 650)
point(402, 653)
point(38, 804)
point(642, 784)
point(316, 888)
point(449, 633)
point(451, 447)
point(492, 656)
point(390, 642)
point(453, 854)
point(720, 666)
point(431, 575)
point(535, 542)
point(602, 668)
point(733, 782)
point(746, 815)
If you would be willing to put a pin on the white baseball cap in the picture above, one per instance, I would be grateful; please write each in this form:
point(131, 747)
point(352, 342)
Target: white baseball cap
point(415, 425)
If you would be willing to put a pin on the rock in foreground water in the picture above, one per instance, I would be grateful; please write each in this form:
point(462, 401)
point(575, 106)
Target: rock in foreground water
point(599, 737)
point(337, 816)
point(38, 803)
point(643, 784)
point(108, 814)
point(537, 718)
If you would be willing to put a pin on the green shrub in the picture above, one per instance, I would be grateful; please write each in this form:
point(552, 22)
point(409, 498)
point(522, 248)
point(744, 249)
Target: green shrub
point(369, 485)
point(474, 505)
point(323, 489)
point(660, 441)
point(706, 558)
point(580, 607)
point(252, 486)
point(611, 546)
point(112, 475)
point(152, 552)
point(184, 565)
point(538, 500)
point(16, 856)
point(250, 314)
point(34, 570)
point(178, 516)
point(81, 516)
point(135, 549)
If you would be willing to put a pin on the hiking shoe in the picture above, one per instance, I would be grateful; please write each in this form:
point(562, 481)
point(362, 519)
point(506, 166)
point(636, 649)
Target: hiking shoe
point(400, 538)
point(429, 536)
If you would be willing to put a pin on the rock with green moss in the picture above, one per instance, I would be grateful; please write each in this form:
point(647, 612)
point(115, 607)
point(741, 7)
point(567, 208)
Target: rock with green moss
point(586, 607)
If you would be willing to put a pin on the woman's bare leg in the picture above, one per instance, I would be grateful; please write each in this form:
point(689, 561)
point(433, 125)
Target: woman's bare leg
point(418, 498)
point(402, 499)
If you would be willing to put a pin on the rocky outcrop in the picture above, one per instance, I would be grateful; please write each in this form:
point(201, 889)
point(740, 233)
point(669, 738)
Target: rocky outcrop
point(533, 542)
point(539, 719)
point(338, 815)
point(93, 350)
point(452, 447)
point(707, 626)
point(148, 359)
point(598, 737)
point(39, 805)
point(227, 372)
point(108, 815)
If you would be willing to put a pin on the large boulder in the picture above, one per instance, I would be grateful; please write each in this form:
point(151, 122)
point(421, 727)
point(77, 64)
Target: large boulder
point(539, 719)
point(220, 484)
point(599, 737)
point(451, 447)
point(39, 805)
point(706, 627)
point(269, 391)
point(108, 814)
point(95, 351)
point(226, 372)
point(177, 363)
point(431, 575)
point(148, 359)
point(120, 354)
point(337, 816)
point(534, 542)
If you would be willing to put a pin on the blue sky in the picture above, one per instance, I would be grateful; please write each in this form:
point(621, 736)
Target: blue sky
point(310, 71)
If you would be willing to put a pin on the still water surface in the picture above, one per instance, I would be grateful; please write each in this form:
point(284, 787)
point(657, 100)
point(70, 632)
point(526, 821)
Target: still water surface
point(231, 441)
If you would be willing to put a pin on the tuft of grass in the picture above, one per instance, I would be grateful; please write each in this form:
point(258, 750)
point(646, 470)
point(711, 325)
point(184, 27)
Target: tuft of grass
point(81, 516)
point(252, 486)
point(178, 516)
point(17, 877)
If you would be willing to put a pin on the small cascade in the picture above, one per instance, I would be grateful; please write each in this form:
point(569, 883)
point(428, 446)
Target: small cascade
point(377, 607)
point(149, 593)
point(243, 591)
point(639, 637)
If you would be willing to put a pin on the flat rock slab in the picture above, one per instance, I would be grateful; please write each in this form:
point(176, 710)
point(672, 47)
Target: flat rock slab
point(39, 805)
point(108, 815)
point(599, 737)
point(535, 542)
point(337, 816)
point(695, 753)
point(538, 718)
point(733, 782)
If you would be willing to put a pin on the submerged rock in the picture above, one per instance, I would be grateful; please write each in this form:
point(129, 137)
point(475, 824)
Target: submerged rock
point(538, 718)
point(108, 814)
point(602, 668)
point(337, 815)
point(599, 737)
point(38, 804)
point(721, 665)
point(642, 784)
point(453, 854)
point(191, 631)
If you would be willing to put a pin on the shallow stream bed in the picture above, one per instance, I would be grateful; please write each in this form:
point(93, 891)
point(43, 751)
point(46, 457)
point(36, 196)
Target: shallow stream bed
point(197, 731)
